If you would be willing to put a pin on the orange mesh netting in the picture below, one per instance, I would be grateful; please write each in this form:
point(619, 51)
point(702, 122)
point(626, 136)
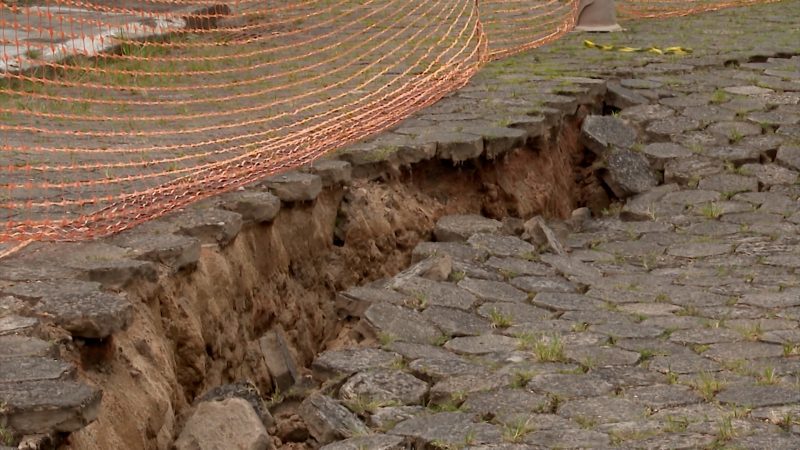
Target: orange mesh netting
point(117, 111)
point(673, 8)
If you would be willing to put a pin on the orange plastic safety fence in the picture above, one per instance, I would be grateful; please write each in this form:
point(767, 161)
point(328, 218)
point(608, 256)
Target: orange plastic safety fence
point(641, 9)
point(114, 112)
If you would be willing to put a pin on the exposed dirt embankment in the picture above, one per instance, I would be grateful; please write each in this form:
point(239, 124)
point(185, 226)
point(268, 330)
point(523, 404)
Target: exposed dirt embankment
point(199, 329)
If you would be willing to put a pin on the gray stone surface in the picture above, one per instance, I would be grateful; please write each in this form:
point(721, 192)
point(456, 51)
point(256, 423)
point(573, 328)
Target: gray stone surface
point(600, 133)
point(349, 361)
point(374, 442)
point(279, 359)
point(295, 186)
point(461, 227)
point(327, 420)
point(79, 307)
point(210, 225)
point(384, 386)
point(41, 406)
point(628, 173)
point(447, 428)
point(229, 423)
point(254, 206)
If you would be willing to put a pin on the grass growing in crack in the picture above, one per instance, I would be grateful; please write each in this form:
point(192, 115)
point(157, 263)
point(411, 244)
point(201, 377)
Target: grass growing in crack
point(719, 96)
point(725, 431)
point(790, 349)
point(585, 422)
point(735, 137)
point(580, 327)
point(457, 275)
point(752, 332)
point(515, 432)
point(363, 404)
point(768, 377)
point(6, 437)
point(441, 340)
point(676, 424)
point(672, 377)
point(521, 379)
point(499, 320)
point(707, 385)
point(546, 349)
point(787, 422)
point(711, 210)
point(386, 339)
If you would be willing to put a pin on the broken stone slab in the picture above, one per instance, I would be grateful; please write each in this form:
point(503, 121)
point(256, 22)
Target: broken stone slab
point(14, 324)
point(455, 146)
point(385, 387)
point(254, 206)
point(513, 313)
point(479, 345)
point(447, 428)
point(327, 420)
point(599, 133)
point(501, 246)
point(658, 153)
point(34, 407)
point(540, 234)
point(621, 97)
point(757, 396)
point(14, 345)
point(506, 406)
point(395, 322)
point(457, 250)
point(514, 267)
point(434, 268)
point(172, 250)
point(244, 390)
point(789, 156)
point(671, 126)
point(279, 359)
point(603, 410)
point(729, 183)
point(461, 227)
point(332, 171)
point(210, 225)
point(112, 266)
point(690, 170)
point(429, 293)
point(535, 284)
point(355, 301)
point(438, 369)
point(645, 113)
point(295, 186)
point(229, 423)
point(570, 385)
point(333, 363)
point(455, 322)
point(747, 90)
point(565, 301)
point(572, 268)
point(77, 306)
point(371, 442)
point(15, 369)
point(628, 173)
point(643, 206)
point(453, 389)
point(493, 290)
point(500, 140)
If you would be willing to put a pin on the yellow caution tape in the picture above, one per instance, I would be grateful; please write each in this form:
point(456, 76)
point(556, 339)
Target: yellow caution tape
point(655, 50)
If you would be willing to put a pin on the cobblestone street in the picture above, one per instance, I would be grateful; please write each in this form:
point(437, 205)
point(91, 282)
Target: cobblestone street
point(666, 319)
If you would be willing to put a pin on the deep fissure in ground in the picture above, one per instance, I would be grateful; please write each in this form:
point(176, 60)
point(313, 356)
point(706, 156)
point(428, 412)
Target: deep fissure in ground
point(199, 329)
